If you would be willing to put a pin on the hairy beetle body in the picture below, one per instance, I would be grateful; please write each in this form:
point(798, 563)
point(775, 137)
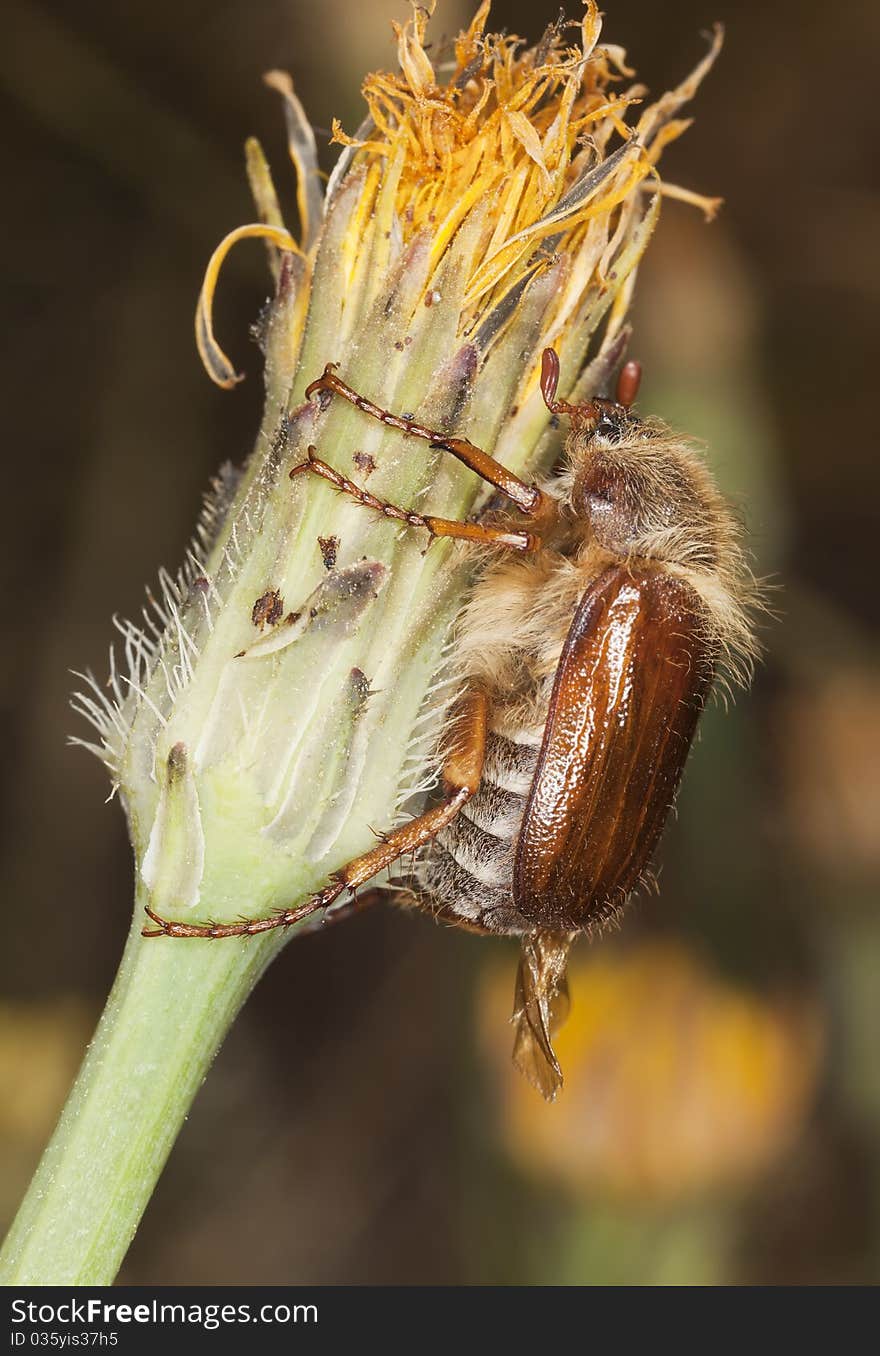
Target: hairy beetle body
point(616, 593)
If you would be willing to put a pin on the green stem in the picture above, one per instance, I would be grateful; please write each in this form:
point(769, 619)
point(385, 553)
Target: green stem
point(166, 1017)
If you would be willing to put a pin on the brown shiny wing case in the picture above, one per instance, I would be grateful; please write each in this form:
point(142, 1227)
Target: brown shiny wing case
point(631, 683)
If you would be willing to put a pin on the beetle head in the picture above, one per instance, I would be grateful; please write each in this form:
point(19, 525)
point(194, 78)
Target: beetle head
point(637, 485)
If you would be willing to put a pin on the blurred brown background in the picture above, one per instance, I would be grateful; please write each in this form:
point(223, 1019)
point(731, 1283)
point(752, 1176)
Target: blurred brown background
point(724, 1101)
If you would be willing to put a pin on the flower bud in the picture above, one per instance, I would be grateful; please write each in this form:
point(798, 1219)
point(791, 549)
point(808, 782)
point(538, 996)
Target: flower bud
point(288, 685)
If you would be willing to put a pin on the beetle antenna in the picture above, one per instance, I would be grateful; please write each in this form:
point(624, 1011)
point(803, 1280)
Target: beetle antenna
point(549, 383)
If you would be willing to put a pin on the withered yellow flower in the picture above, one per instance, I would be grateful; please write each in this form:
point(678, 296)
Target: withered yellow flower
point(489, 206)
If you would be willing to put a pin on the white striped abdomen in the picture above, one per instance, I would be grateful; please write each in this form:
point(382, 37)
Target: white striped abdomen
point(467, 873)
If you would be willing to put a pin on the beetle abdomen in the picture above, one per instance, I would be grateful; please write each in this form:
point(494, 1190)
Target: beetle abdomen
point(467, 875)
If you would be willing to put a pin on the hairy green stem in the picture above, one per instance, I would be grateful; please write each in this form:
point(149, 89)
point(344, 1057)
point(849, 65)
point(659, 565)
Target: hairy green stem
point(165, 1019)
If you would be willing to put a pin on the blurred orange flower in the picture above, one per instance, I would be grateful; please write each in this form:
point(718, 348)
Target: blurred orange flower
point(40, 1047)
point(676, 1081)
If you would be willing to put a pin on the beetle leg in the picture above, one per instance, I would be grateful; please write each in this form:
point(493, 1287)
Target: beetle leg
point(356, 903)
point(480, 533)
point(528, 498)
point(461, 774)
